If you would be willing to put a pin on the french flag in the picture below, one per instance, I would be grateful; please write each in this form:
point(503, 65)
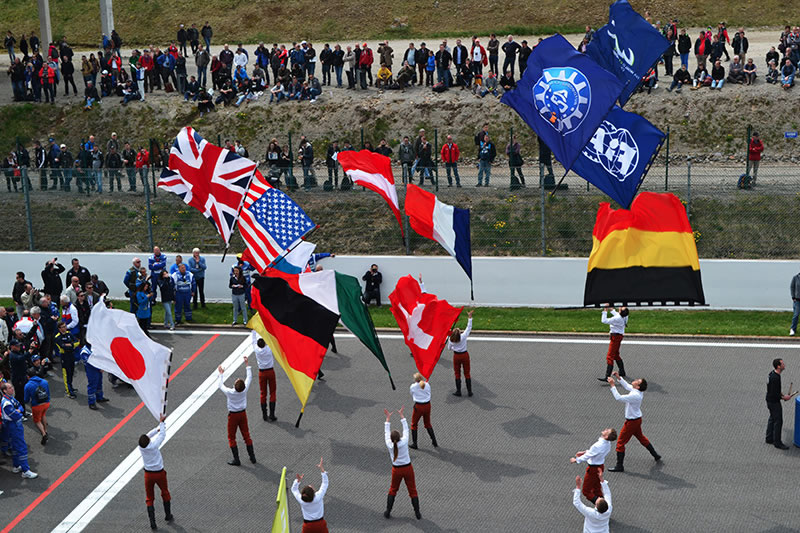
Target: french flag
point(374, 172)
point(445, 224)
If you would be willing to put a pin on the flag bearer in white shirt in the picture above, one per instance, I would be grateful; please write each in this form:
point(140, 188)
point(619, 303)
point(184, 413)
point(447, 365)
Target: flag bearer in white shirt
point(633, 418)
point(311, 503)
point(154, 473)
point(237, 413)
point(401, 464)
point(421, 393)
point(595, 458)
point(595, 518)
point(616, 325)
point(266, 375)
point(458, 343)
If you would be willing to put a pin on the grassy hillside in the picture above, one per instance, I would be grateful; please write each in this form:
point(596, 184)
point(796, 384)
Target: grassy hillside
point(145, 21)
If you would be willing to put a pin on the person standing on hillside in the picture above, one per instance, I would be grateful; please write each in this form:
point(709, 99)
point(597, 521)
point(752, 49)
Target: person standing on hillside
point(754, 156)
point(206, 32)
point(774, 434)
point(616, 324)
point(450, 154)
point(510, 48)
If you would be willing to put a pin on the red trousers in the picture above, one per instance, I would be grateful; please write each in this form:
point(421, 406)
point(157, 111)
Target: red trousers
point(318, 526)
point(238, 420)
point(591, 482)
point(151, 479)
point(613, 349)
point(459, 360)
point(421, 410)
point(267, 378)
point(403, 473)
point(631, 428)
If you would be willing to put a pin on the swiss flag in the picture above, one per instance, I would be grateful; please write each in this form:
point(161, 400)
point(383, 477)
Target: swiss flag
point(424, 320)
point(373, 171)
point(119, 346)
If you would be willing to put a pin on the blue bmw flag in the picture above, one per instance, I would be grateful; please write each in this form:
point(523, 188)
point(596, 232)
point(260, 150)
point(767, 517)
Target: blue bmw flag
point(563, 96)
point(619, 154)
point(628, 46)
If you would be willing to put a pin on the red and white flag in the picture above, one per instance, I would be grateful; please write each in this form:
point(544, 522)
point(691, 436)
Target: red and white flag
point(424, 320)
point(373, 171)
point(211, 179)
point(120, 347)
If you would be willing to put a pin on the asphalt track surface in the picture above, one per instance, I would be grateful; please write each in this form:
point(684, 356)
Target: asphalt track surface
point(503, 461)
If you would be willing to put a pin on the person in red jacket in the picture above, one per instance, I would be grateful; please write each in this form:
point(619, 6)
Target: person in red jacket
point(47, 77)
point(365, 64)
point(754, 156)
point(142, 164)
point(450, 154)
point(146, 62)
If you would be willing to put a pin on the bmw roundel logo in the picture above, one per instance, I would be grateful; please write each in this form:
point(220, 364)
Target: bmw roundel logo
point(562, 96)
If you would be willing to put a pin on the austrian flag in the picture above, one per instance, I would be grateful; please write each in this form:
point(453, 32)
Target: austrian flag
point(373, 171)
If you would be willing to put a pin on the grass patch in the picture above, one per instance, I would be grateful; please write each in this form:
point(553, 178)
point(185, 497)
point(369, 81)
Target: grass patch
point(659, 322)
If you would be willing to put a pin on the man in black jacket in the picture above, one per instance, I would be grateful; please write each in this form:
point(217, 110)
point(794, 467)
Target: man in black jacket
point(459, 55)
point(684, 47)
point(78, 271)
point(51, 277)
point(421, 60)
point(326, 58)
point(129, 162)
point(510, 48)
point(524, 53)
point(372, 291)
point(113, 164)
point(443, 59)
point(680, 78)
point(740, 45)
point(774, 396)
point(507, 81)
point(194, 38)
point(182, 36)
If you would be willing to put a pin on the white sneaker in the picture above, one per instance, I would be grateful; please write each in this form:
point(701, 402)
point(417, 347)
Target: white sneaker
point(16, 469)
point(29, 475)
point(791, 333)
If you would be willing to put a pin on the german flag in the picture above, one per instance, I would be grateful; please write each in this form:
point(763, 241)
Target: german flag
point(645, 255)
point(296, 324)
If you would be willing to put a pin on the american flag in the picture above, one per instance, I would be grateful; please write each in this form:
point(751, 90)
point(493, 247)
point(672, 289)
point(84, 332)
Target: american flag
point(270, 223)
point(211, 179)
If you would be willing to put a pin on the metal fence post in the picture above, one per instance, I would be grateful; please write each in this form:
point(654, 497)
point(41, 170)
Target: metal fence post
point(27, 190)
point(747, 149)
point(407, 231)
point(666, 164)
point(510, 168)
point(292, 184)
point(689, 187)
point(436, 156)
point(362, 137)
point(149, 212)
point(541, 190)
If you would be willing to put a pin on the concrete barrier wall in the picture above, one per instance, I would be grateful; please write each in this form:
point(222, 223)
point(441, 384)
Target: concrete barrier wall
point(499, 281)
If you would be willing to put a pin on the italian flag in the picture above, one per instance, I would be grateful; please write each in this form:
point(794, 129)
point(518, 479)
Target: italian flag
point(297, 315)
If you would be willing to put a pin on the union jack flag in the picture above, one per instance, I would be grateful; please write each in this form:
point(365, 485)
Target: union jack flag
point(271, 223)
point(211, 179)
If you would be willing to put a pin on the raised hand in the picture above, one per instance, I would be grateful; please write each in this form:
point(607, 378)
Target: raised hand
point(469, 314)
point(321, 468)
point(245, 360)
point(299, 477)
point(611, 381)
point(388, 414)
point(220, 369)
point(578, 482)
point(162, 418)
point(400, 412)
point(615, 374)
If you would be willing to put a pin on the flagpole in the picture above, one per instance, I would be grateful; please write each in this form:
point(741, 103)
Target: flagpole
point(166, 384)
point(392, 382)
point(297, 424)
point(238, 212)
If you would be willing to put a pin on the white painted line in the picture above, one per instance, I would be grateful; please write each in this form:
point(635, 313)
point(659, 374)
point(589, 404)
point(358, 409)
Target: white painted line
point(550, 340)
point(102, 495)
point(204, 332)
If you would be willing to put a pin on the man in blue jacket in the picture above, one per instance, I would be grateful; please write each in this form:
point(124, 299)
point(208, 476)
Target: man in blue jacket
point(94, 379)
point(156, 263)
point(185, 287)
point(37, 393)
point(197, 266)
point(12, 413)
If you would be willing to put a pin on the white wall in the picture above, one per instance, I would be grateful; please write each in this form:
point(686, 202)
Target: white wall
point(499, 281)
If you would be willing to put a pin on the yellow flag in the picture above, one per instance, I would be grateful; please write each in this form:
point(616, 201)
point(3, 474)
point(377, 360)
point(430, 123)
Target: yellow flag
point(280, 524)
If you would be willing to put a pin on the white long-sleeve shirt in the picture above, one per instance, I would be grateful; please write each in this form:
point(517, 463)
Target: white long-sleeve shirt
point(403, 458)
point(263, 355)
point(616, 323)
point(461, 345)
point(151, 455)
point(419, 394)
point(596, 455)
point(315, 509)
point(632, 400)
point(237, 401)
point(593, 521)
point(72, 312)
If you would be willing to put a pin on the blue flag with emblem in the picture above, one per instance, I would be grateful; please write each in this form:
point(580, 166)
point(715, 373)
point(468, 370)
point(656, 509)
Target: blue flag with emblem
point(628, 46)
point(563, 96)
point(619, 154)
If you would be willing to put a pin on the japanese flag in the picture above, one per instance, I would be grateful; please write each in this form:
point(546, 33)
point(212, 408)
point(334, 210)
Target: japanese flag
point(119, 346)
